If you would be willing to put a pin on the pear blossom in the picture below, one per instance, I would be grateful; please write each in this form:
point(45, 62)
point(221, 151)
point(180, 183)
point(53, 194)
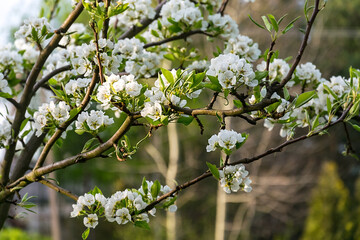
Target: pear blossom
point(231, 71)
point(91, 221)
point(235, 178)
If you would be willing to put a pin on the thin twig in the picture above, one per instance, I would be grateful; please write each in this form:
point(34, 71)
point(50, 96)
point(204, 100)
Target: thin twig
point(135, 29)
point(303, 44)
point(106, 22)
point(58, 189)
point(46, 78)
point(222, 7)
point(178, 37)
point(244, 160)
point(92, 25)
point(213, 100)
point(27, 92)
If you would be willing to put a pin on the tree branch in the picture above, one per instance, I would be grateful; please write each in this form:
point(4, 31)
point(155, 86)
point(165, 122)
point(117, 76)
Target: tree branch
point(303, 44)
point(143, 23)
point(63, 126)
point(58, 189)
point(244, 161)
point(27, 93)
point(178, 37)
point(49, 76)
point(82, 157)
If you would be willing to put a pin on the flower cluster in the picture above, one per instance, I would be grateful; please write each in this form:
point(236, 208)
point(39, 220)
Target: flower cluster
point(225, 26)
point(139, 62)
point(5, 132)
point(93, 121)
point(50, 113)
point(235, 178)
point(137, 10)
point(118, 88)
point(123, 206)
point(4, 85)
point(226, 140)
point(278, 69)
point(244, 47)
point(35, 29)
point(232, 71)
point(76, 88)
point(10, 59)
point(307, 73)
point(184, 12)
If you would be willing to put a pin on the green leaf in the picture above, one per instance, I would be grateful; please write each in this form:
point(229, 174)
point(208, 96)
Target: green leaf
point(145, 186)
point(168, 75)
point(155, 189)
point(214, 81)
point(164, 119)
point(330, 92)
point(273, 22)
point(95, 191)
point(169, 56)
point(185, 120)
point(58, 93)
point(85, 234)
point(261, 75)
point(198, 79)
point(238, 103)
point(142, 224)
point(214, 170)
point(257, 24)
point(286, 94)
point(328, 105)
point(5, 95)
point(23, 124)
point(155, 33)
point(80, 131)
point(304, 98)
point(87, 145)
point(281, 19)
point(213, 87)
point(73, 112)
point(290, 25)
point(356, 127)
point(52, 81)
point(267, 23)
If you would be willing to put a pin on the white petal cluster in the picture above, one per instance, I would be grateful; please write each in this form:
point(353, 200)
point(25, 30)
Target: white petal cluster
point(77, 87)
point(122, 207)
point(152, 110)
point(278, 69)
point(182, 11)
point(50, 113)
point(11, 59)
point(139, 61)
point(308, 73)
point(232, 71)
point(244, 47)
point(226, 140)
point(214, 3)
point(33, 24)
point(94, 120)
point(116, 88)
point(228, 27)
point(5, 132)
point(4, 85)
point(137, 10)
point(235, 178)
point(91, 221)
point(198, 65)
